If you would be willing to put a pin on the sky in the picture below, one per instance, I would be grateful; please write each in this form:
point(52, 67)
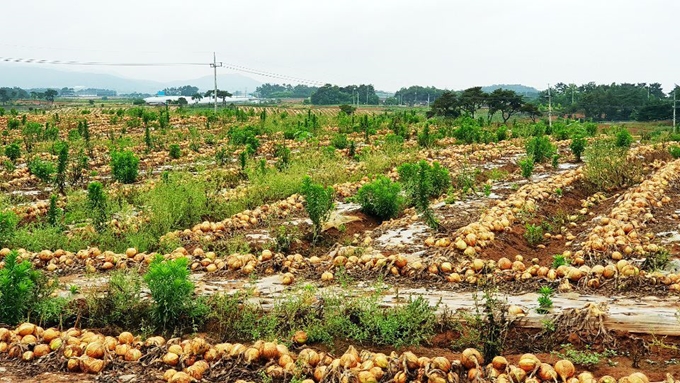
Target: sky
point(449, 44)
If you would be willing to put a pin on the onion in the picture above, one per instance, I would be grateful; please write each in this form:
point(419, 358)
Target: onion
point(171, 359)
point(133, 355)
point(73, 365)
point(122, 349)
point(3, 347)
point(380, 360)
point(400, 377)
point(48, 335)
point(367, 377)
point(410, 360)
point(565, 369)
point(547, 372)
point(638, 377)
point(308, 357)
point(320, 373)
point(251, 354)
point(91, 365)
point(499, 363)
point(284, 360)
point(529, 362)
point(441, 363)
point(95, 350)
point(474, 374)
point(517, 374)
point(471, 358)
point(300, 337)
point(5, 335)
point(25, 329)
point(167, 375)
point(211, 355)
point(274, 371)
point(180, 377)
point(176, 349)
point(27, 356)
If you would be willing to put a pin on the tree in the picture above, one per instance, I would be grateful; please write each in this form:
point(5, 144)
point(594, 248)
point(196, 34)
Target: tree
point(472, 99)
point(196, 97)
point(223, 94)
point(446, 106)
point(506, 101)
point(182, 101)
point(531, 110)
point(347, 109)
point(50, 94)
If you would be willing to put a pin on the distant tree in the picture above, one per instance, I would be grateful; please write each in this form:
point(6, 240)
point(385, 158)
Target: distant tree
point(223, 94)
point(347, 109)
point(472, 99)
point(531, 110)
point(505, 101)
point(50, 94)
point(4, 96)
point(446, 105)
point(196, 97)
point(182, 101)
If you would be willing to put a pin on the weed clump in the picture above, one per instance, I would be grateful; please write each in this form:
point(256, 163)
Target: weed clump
point(124, 166)
point(381, 198)
point(318, 203)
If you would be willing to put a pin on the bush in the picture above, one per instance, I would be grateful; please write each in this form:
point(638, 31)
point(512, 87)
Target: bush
point(13, 152)
point(175, 151)
point(121, 305)
point(526, 164)
point(674, 151)
point(423, 181)
point(339, 141)
point(18, 288)
point(244, 136)
point(381, 198)
point(540, 149)
point(608, 167)
point(42, 169)
point(533, 234)
point(623, 138)
point(124, 166)
point(318, 203)
point(171, 291)
point(577, 146)
point(438, 178)
point(96, 202)
point(8, 226)
point(425, 138)
point(62, 164)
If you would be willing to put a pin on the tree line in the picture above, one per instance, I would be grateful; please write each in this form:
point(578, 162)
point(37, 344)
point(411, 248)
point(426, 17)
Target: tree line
point(612, 102)
point(507, 102)
point(285, 91)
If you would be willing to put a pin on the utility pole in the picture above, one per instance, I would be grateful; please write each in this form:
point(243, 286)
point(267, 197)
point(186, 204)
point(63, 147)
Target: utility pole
point(550, 108)
point(215, 65)
point(674, 107)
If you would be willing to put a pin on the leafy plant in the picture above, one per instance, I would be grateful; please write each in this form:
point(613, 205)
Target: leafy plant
point(41, 169)
point(578, 146)
point(544, 301)
point(526, 165)
point(585, 358)
point(318, 203)
point(18, 285)
point(540, 149)
point(13, 152)
point(53, 212)
point(423, 181)
point(674, 151)
point(124, 166)
point(171, 290)
point(425, 138)
point(8, 226)
point(62, 164)
point(339, 141)
point(559, 260)
point(608, 167)
point(175, 151)
point(381, 198)
point(96, 201)
point(623, 138)
point(533, 234)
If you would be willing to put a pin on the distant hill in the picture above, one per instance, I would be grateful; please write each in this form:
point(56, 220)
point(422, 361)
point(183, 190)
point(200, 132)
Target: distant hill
point(39, 77)
point(518, 88)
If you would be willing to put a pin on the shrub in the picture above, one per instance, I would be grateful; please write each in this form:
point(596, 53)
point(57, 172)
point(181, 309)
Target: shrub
point(13, 152)
point(244, 136)
point(53, 211)
point(438, 178)
point(124, 166)
point(540, 149)
point(381, 198)
point(608, 167)
point(96, 201)
point(175, 151)
point(425, 138)
point(339, 141)
point(18, 287)
point(544, 301)
point(674, 151)
point(533, 234)
point(578, 146)
point(623, 138)
point(526, 164)
point(171, 290)
point(62, 164)
point(318, 203)
point(283, 154)
point(41, 169)
point(121, 304)
point(423, 181)
point(8, 226)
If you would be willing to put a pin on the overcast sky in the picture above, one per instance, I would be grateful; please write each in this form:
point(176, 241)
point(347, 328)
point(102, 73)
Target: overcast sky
point(390, 43)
